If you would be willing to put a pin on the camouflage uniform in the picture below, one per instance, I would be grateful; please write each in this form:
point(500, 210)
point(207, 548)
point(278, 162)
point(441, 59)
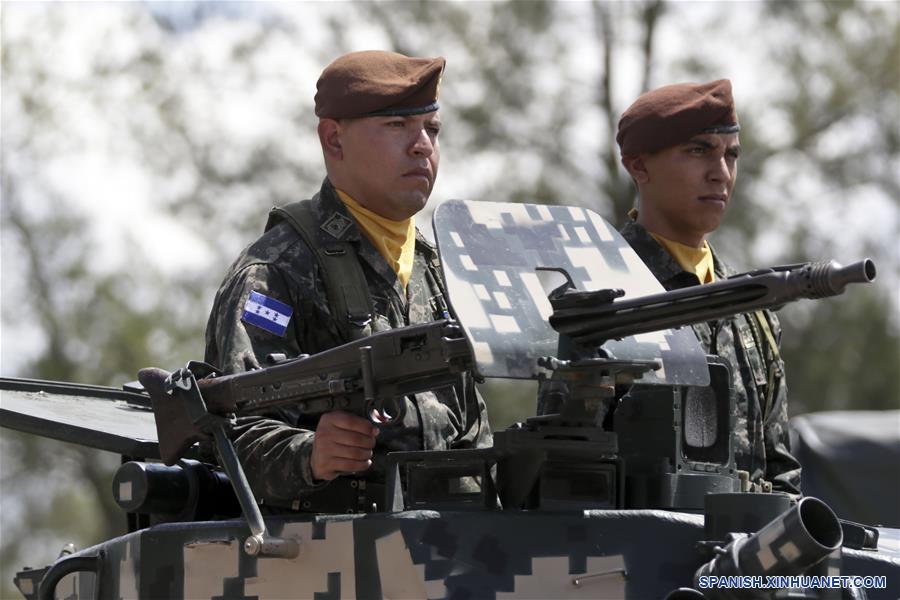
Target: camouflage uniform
point(762, 441)
point(275, 451)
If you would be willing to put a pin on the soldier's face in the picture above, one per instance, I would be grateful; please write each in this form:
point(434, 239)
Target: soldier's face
point(685, 189)
point(389, 164)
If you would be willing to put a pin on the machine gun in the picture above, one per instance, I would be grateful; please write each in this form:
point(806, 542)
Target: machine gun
point(407, 361)
point(367, 377)
point(568, 459)
point(430, 356)
point(674, 441)
point(373, 374)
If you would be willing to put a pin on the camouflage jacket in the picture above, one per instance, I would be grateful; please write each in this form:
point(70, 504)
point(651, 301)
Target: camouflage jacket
point(275, 450)
point(763, 443)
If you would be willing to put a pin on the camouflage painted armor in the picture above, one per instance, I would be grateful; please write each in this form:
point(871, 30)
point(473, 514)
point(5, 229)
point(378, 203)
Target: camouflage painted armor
point(763, 444)
point(275, 450)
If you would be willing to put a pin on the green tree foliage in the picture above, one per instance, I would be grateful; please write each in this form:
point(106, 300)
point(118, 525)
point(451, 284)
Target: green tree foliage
point(101, 307)
point(839, 109)
point(195, 118)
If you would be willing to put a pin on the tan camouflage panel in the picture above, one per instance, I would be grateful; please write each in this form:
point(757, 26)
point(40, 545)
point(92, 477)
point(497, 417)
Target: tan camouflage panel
point(129, 568)
point(209, 556)
point(550, 578)
point(489, 252)
point(400, 577)
point(307, 575)
point(762, 441)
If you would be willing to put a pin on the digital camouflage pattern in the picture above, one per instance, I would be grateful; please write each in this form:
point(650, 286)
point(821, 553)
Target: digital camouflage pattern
point(489, 252)
point(609, 554)
point(762, 441)
point(275, 451)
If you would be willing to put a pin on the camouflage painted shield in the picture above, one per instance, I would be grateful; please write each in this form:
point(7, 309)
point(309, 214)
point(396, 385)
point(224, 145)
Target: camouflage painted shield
point(493, 256)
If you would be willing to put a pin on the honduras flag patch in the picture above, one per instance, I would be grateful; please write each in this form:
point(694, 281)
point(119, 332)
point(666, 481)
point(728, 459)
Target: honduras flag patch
point(267, 313)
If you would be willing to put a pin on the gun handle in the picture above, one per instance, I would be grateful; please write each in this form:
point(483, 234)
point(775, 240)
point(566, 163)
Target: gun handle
point(175, 429)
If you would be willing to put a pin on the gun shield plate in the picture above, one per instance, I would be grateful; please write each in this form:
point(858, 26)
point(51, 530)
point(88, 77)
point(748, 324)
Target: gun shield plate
point(489, 255)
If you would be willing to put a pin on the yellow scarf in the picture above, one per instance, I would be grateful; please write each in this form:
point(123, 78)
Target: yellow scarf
point(693, 260)
point(395, 240)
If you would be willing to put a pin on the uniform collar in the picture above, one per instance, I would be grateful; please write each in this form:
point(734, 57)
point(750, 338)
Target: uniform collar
point(662, 264)
point(335, 221)
point(424, 246)
point(336, 224)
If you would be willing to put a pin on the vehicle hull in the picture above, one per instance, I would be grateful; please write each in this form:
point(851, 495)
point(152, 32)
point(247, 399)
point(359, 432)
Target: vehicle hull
point(635, 554)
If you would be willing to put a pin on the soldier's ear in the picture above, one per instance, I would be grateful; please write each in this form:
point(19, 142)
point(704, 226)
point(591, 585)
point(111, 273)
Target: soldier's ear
point(636, 167)
point(330, 138)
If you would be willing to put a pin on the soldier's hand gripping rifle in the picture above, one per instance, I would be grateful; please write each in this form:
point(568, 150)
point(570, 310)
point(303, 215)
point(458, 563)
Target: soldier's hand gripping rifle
point(366, 377)
point(362, 377)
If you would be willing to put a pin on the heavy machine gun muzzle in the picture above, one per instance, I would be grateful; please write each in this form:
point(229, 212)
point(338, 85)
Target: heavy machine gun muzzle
point(594, 317)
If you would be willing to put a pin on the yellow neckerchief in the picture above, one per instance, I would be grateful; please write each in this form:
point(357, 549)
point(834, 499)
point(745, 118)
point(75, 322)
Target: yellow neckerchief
point(693, 260)
point(395, 240)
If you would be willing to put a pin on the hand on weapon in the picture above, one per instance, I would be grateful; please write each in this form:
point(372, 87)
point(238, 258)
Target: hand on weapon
point(342, 443)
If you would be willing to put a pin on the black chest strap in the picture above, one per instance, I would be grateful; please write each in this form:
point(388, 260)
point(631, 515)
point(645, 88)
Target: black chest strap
point(345, 283)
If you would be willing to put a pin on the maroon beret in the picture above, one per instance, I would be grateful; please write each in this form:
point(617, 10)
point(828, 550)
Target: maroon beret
point(378, 83)
point(674, 113)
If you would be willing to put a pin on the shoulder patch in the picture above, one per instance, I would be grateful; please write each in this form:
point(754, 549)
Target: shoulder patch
point(267, 313)
point(336, 225)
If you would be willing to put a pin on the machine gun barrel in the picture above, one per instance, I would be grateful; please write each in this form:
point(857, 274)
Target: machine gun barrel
point(594, 317)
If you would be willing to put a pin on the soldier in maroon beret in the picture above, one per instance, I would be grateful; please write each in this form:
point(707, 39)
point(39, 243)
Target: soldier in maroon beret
point(344, 264)
point(680, 145)
point(378, 126)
